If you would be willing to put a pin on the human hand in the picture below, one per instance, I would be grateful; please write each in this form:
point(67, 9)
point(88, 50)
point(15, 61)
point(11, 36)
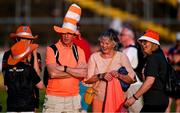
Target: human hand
point(114, 74)
point(129, 102)
point(108, 76)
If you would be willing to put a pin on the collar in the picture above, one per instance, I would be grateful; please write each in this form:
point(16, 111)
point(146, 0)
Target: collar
point(62, 45)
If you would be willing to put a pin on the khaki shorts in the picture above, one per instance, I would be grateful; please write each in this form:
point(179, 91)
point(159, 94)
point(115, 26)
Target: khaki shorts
point(62, 104)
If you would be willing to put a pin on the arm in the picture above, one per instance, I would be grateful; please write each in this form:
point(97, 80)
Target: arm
point(54, 69)
point(95, 78)
point(80, 71)
point(146, 86)
point(143, 89)
point(36, 64)
point(57, 71)
point(131, 74)
point(125, 78)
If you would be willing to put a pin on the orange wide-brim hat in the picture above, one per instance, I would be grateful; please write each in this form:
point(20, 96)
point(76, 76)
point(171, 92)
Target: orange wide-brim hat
point(23, 32)
point(151, 36)
point(20, 50)
point(65, 30)
point(70, 21)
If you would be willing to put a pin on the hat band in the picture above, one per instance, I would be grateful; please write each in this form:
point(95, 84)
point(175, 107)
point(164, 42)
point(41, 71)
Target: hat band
point(22, 54)
point(69, 26)
point(149, 39)
point(24, 33)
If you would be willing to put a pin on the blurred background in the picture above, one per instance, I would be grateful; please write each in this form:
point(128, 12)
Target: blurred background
point(97, 15)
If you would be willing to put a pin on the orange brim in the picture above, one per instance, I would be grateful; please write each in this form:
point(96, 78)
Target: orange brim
point(64, 30)
point(12, 61)
point(14, 36)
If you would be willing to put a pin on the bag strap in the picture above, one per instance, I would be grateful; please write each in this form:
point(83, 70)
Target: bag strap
point(107, 68)
point(75, 52)
point(56, 53)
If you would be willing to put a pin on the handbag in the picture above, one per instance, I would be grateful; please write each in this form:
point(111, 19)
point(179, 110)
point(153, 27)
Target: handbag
point(89, 95)
point(90, 92)
point(122, 70)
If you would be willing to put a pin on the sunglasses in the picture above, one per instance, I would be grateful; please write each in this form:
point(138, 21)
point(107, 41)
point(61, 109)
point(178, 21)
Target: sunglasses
point(143, 42)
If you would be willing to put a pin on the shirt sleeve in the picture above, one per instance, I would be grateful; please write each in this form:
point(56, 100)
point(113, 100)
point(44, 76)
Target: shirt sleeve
point(50, 57)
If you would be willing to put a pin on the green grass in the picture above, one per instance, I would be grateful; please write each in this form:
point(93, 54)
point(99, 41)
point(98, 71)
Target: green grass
point(3, 96)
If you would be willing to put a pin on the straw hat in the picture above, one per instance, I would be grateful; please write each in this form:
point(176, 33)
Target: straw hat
point(23, 32)
point(70, 21)
point(19, 51)
point(150, 36)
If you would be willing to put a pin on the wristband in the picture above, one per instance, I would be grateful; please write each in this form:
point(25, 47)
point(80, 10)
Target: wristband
point(65, 68)
point(100, 76)
point(135, 97)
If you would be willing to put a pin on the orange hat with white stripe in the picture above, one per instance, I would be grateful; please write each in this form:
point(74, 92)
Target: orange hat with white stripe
point(70, 21)
point(151, 36)
point(20, 50)
point(23, 32)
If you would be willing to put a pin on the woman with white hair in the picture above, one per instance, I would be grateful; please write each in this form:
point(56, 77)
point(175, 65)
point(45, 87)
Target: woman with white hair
point(102, 72)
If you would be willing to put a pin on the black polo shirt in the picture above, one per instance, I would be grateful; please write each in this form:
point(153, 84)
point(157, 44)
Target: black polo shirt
point(156, 67)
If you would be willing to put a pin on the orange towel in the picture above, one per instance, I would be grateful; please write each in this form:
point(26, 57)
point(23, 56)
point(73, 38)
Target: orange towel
point(114, 97)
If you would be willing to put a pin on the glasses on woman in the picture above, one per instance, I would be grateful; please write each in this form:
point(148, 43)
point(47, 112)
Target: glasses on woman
point(144, 42)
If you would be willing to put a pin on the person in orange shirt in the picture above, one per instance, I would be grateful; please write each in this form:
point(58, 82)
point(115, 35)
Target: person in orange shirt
point(62, 92)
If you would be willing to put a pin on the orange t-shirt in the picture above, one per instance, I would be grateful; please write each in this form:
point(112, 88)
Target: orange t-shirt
point(66, 86)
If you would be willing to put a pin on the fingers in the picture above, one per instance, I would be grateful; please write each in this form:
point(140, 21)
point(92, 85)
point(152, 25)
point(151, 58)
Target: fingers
point(126, 105)
point(129, 102)
point(114, 73)
point(108, 77)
